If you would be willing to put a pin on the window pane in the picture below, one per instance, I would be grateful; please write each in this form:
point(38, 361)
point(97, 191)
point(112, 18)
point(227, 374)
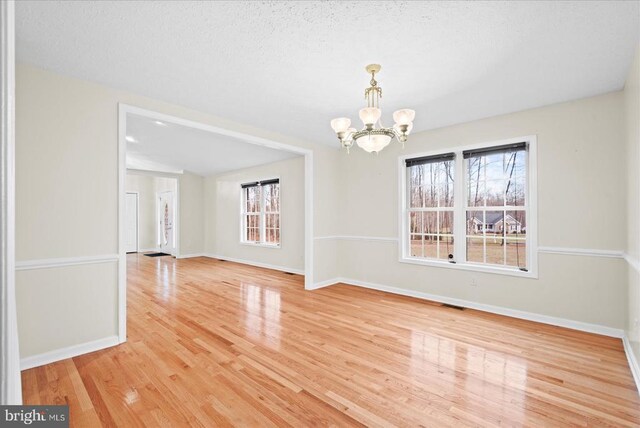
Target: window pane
point(495, 249)
point(271, 237)
point(276, 197)
point(431, 185)
point(430, 246)
point(475, 220)
point(415, 222)
point(495, 193)
point(516, 188)
point(493, 223)
point(517, 252)
point(515, 174)
point(416, 245)
point(253, 221)
point(271, 197)
point(430, 220)
point(446, 247)
point(475, 250)
point(445, 225)
point(475, 182)
point(446, 183)
point(416, 181)
point(252, 196)
point(494, 166)
point(516, 223)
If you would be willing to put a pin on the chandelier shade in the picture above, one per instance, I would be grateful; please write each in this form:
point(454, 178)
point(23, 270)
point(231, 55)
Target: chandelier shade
point(370, 115)
point(404, 116)
point(340, 124)
point(373, 139)
point(373, 143)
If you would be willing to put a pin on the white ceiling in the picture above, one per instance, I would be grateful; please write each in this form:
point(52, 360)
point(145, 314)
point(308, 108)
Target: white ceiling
point(169, 147)
point(293, 66)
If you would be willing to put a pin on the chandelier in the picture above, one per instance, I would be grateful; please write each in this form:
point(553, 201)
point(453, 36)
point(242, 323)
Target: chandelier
point(374, 136)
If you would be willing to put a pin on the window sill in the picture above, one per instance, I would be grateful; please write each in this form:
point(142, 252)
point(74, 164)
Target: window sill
point(470, 267)
point(260, 244)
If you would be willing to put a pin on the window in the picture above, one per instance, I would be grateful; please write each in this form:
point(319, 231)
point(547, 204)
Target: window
point(471, 208)
point(430, 207)
point(261, 213)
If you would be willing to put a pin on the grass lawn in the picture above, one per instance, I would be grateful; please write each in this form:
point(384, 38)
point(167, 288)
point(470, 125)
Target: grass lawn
point(514, 251)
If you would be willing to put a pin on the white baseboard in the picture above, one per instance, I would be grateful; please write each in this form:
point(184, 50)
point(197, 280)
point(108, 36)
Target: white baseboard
point(68, 352)
point(633, 362)
point(188, 256)
point(545, 319)
point(324, 283)
point(257, 264)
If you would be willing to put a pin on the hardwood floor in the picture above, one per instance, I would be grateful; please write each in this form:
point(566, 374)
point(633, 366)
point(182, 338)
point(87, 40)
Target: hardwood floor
point(214, 343)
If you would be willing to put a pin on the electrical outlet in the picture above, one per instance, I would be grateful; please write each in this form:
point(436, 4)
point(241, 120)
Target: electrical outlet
point(636, 323)
point(474, 283)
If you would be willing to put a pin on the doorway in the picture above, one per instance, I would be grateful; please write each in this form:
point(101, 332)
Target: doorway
point(130, 147)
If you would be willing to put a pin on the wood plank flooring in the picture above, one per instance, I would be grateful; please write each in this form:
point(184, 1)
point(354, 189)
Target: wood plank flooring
point(214, 343)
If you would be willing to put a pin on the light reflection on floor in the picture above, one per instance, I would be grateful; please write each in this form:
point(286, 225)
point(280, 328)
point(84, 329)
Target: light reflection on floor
point(166, 277)
point(502, 375)
point(262, 320)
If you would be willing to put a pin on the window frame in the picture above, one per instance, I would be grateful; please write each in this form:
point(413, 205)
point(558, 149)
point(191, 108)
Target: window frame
point(460, 208)
point(261, 217)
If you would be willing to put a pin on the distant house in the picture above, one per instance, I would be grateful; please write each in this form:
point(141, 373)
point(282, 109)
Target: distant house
point(495, 222)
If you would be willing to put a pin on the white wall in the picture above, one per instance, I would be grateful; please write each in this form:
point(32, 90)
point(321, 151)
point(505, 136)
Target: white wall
point(145, 186)
point(581, 182)
point(67, 203)
point(632, 128)
point(223, 201)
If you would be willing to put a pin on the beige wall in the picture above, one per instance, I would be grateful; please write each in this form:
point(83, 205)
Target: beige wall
point(191, 214)
point(632, 128)
point(581, 182)
point(65, 306)
point(67, 201)
point(223, 201)
point(67, 131)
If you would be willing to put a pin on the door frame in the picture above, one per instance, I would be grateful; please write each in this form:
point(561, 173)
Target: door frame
point(123, 110)
point(137, 217)
point(10, 382)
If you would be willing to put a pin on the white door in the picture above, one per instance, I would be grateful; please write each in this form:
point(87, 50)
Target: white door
point(165, 227)
point(131, 223)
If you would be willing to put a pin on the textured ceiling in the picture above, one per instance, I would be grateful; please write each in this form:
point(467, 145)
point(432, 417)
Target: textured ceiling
point(293, 66)
point(171, 147)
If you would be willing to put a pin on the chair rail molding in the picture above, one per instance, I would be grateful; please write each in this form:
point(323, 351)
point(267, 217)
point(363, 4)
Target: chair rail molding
point(65, 261)
point(591, 252)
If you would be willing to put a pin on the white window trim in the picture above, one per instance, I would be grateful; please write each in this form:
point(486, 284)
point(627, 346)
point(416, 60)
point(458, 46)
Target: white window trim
point(460, 212)
point(243, 217)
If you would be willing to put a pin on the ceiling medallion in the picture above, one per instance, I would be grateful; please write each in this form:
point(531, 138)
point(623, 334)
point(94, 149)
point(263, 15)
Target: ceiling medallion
point(374, 136)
